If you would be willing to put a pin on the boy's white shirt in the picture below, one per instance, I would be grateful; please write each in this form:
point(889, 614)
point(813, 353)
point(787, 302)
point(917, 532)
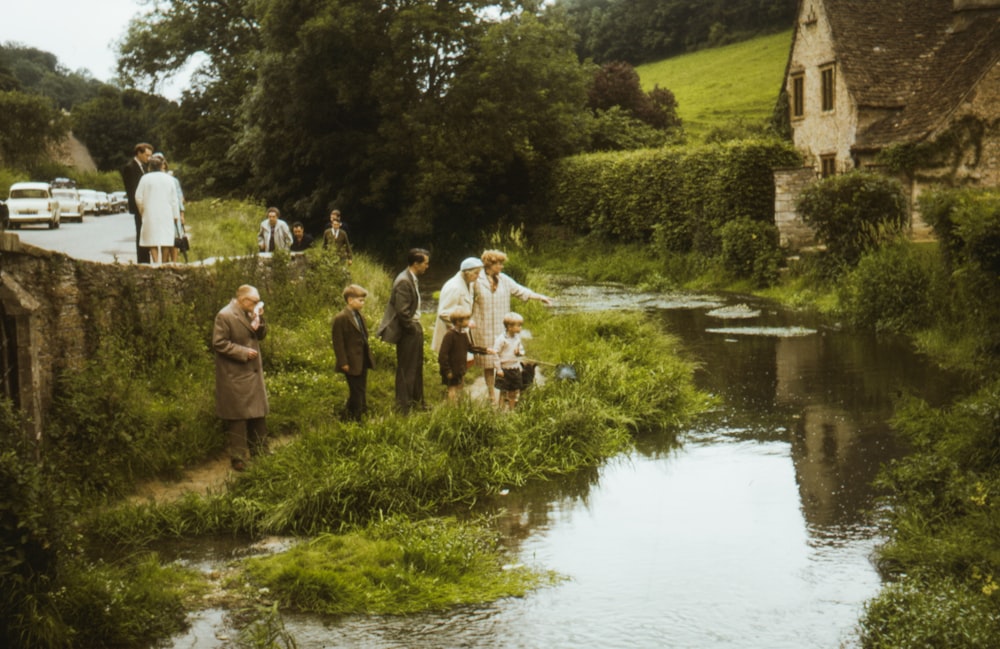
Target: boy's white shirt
point(507, 349)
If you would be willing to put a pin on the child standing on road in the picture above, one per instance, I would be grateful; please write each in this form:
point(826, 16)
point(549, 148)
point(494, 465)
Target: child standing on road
point(454, 352)
point(509, 350)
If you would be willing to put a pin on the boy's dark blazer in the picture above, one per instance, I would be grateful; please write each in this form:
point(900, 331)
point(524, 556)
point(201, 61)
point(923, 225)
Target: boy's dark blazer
point(350, 343)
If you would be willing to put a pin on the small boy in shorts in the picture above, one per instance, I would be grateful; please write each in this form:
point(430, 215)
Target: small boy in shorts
point(454, 352)
point(509, 350)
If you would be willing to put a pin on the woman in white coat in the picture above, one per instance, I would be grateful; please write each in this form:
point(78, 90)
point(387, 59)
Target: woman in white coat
point(156, 198)
point(456, 292)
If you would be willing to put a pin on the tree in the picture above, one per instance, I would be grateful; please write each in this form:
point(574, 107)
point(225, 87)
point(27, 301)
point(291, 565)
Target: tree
point(223, 37)
point(113, 122)
point(616, 97)
point(30, 126)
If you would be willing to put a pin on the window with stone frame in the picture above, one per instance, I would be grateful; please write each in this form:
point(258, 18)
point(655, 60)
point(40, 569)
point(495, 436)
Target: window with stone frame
point(798, 97)
point(827, 165)
point(827, 79)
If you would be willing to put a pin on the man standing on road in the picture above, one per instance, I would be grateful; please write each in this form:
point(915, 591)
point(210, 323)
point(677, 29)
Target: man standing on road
point(131, 174)
point(400, 326)
point(240, 396)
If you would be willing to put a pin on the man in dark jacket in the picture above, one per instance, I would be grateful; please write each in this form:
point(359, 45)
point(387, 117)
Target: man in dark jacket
point(132, 173)
point(401, 327)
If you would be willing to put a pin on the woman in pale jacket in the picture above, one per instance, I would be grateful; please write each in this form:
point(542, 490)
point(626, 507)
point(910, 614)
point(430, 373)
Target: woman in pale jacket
point(494, 291)
point(456, 292)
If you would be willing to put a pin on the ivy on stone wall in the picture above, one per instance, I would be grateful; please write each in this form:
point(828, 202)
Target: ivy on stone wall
point(943, 157)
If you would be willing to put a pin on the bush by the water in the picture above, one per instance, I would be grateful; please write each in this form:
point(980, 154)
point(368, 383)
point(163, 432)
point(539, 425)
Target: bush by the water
point(942, 508)
point(854, 212)
point(750, 251)
point(894, 289)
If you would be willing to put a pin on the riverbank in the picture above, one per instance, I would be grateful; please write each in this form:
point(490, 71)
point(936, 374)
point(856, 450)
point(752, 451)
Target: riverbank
point(940, 512)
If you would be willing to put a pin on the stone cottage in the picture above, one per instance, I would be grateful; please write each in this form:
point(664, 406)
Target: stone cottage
point(908, 87)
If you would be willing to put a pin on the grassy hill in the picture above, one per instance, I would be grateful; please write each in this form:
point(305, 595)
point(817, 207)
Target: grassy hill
point(719, 85)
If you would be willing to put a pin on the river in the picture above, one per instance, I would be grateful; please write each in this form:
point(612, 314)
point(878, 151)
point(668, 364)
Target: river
point(753, 532)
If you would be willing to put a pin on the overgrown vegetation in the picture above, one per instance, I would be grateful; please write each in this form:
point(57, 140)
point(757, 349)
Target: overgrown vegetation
point(142, 407)
point(396, 566)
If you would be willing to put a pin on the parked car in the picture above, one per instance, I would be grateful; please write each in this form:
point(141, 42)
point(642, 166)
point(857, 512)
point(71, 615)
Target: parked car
point(58, 183)
point(103, 203)
point(89, 198)
point(32, 203)
point(70, 205)
point(119, 201)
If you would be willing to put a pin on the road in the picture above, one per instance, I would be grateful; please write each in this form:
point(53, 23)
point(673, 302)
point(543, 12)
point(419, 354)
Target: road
point(106, 239)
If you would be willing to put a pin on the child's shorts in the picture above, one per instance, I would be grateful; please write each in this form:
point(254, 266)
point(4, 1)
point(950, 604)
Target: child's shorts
point(456, 379)
point(510, 381)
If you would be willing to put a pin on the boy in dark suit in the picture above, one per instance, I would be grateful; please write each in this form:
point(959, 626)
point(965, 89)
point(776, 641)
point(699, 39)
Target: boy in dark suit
point(354, 356)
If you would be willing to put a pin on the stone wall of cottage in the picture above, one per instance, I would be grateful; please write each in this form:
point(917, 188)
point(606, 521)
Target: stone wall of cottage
point(818, 132)
point(788, 184)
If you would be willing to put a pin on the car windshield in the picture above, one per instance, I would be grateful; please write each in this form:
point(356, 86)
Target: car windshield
point(28, 193)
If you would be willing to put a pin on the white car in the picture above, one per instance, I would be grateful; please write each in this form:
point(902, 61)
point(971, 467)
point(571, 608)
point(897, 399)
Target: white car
point(103, 203)
point(70, 205)
point(90, 201)
point(119, 201)
point(32, 203)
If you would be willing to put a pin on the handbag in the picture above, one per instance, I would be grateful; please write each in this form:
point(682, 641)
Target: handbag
point(182, 244)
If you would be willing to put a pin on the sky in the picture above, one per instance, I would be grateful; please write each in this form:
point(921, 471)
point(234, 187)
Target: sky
point(81, 33)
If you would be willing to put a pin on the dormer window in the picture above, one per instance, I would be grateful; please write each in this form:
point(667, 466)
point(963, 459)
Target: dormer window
point(828, 84)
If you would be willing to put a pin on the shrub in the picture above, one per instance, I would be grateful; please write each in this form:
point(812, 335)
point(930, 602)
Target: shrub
point(968, 224)
point(921, 613)
point(891, 290)
point(678, 197)
point(854, 212)
point(750, 251)
point(31, 537)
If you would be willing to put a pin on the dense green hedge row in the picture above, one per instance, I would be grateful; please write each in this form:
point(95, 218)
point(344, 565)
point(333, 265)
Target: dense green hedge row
point(678, 196)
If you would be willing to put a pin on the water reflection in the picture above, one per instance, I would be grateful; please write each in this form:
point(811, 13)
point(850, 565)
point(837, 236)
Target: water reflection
point(752, 533)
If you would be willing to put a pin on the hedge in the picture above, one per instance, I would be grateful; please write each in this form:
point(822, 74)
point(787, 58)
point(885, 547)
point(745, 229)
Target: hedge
point(677, 196)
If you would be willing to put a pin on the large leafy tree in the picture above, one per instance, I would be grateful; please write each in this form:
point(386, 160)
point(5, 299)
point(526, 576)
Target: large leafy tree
point(382, 108)
point(221, 37)
point(115, 120)
point(31, 125)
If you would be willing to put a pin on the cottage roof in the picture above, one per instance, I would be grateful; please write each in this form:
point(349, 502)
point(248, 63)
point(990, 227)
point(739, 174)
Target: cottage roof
point(916, 59)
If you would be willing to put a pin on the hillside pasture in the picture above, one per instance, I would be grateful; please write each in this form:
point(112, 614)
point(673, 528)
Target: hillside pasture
point(721, 85)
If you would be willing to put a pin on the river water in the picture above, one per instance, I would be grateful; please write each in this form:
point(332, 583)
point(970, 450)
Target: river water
point(753, 532)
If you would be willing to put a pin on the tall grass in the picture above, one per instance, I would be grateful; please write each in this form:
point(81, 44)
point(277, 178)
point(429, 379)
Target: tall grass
point(719, 86)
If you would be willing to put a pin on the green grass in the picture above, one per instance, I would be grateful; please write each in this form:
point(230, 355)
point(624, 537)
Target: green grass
point(394, 567)
point(718, 86)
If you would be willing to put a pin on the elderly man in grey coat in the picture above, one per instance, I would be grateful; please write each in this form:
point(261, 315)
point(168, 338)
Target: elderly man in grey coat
point(240, 396)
